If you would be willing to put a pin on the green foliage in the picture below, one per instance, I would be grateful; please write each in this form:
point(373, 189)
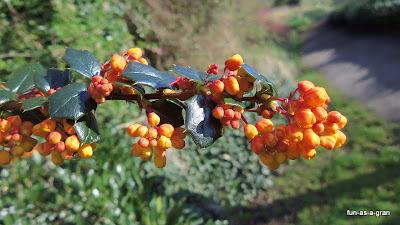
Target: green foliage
point(33, 103)
point(82, 62)
point(87, 130)
point(169, 112)
point(189, 73)
point(6, 96)
point(262, 79)
point(202, 126)
point(22, 79)
point(71, 102)
point(52, 78)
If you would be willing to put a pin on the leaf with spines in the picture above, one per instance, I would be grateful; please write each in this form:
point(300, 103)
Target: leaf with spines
point(169, 112)
point(147, 75)
point(212, 77)
point(52, 78)
point(263, 80)
point(33, 103)
point(71, 102)
point(189, 73)
point(202, 126)
point(22, 79)
point(87, 129)
point(6, 96)
point(82, 61)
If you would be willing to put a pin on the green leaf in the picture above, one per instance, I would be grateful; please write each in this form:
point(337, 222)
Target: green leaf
point(147, 75)
point(212, 77)
point(52, 78)
point(263, 80)
point(6, 96)
point(71, 102)
point(204, 128)
point(22, 79)
point(233, 102)
point(169, 112)
point(82, 61)
point(33, 103)
point(87, 129)
point(189, 73)
point(138, 88)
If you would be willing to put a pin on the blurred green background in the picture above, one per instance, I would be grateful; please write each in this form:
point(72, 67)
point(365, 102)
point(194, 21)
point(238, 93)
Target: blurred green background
point(224, 184)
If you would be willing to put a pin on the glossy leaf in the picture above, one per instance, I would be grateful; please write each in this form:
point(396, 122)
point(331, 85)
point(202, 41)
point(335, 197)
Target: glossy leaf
point(22, 79)
point(189, 73)
point(263, 80)
point(6, 96)
point(212, 77)
point(169, 112)
point(147, 75)
point(201, 125)
point(52, 78)
point(82, 61)
point(71, 102)
point(233, 102)
point(87, 129)
point(33, 103)
point(138, 88)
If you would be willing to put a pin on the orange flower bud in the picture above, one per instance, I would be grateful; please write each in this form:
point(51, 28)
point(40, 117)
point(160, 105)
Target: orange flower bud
point(132, 130)
point(231, 85)
point(136, 150)
point(164, 142)
point(72, 143)
point(153, 119)
point(264, 125)
point(217, 87)
point(257, 145)
point(294, 132)
point(304, 86)
point(85, 151)
point(218, 112)
point(266, 157)
point(334, 117)
point(280, 157)
point(327, 142)
point(310, 139)
point(319, 113)
point(250, 131)
point(166, 129)
point(304, 118)
point(340, 139)
point(315, 97)
point(54, 137)
point(177, 142)
point(118, 63)
point(234, 62)
point(160, 162)
point(270, 139)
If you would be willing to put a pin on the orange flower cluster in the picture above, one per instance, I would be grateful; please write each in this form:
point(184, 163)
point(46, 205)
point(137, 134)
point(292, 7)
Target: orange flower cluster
point(156, 139)
point(99, 89)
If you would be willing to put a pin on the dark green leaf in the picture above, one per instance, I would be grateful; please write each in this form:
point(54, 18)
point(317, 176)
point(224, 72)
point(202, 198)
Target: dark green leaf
point(82, 61)
point(33, 103)
point(233, 102)
point(22, 79)
point(169, 112)
point(263, 80)
point(189, 73)
point(201, 125)
point(212, 77)
point(71, 102)
point(147, 75)
point(52, 78)
point(138, 88)
point(6, 96)
point(87, 130)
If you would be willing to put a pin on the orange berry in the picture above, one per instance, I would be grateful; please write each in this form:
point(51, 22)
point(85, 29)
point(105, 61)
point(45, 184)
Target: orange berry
point(294, 132)
point(292, 153)
point(177, 142)
point(60, 146)
point(231, 85)
point(245, 85)
point(5, 158)
point(308, 154)
point(270, 140)
point(132, 130)
point(153, 119)
point(264, 125)
point(334, 117)
point(315, 97)
point(152, 133)
point(136, 150)
point(330, 128)
point(257, 145)
point(153, 143)
point(280, 131)
point(225, 121)
point(146, 154)
point(143, 61)
point(57, 159)
point(143, 142)
point(342, 122)
point(304, 86)
point(160, 162)
point(44, 149)
point(164, 142)
point(118, 63)
point(310, 139)
point(179, 132)
point(234, 62)
point(72, 143)
point(280, 157)
point(318, 128)
point(217, 87)
point(340, 139)
point(319, 113)
point(266, 157)
point(304, 118)
point(229, 114)
point(137, 51)
point(67, 155)
point(142, 131)
point(26, 128)
point(282, 145)
point(48, 125)
point(166, 129)
point(327, 142)
point(274, 165)
point(54, 137)
point(85, 151)
point(250, 131)
point(160, 151)
point(218, 112)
